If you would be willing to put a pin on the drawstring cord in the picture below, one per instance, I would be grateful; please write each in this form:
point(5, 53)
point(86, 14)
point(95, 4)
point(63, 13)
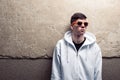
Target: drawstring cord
point(87, 51)
point(67, 53)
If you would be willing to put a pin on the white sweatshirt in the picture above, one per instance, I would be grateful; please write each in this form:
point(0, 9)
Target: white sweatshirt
point(70, 64)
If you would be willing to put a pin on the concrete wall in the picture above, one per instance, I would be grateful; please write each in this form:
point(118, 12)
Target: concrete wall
point(29, 30)
point(40, 69)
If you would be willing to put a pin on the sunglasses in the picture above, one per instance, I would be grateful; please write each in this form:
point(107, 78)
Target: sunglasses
point(80, 23)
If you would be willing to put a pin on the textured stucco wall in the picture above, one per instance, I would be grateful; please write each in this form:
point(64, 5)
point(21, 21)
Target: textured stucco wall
point(31, 28)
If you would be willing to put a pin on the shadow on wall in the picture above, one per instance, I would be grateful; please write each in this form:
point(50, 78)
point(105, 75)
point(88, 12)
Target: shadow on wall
point(40, 69)
point(25, 69)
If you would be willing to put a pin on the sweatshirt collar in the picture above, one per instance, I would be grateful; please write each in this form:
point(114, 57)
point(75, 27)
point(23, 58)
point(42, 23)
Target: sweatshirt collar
point(90, 38)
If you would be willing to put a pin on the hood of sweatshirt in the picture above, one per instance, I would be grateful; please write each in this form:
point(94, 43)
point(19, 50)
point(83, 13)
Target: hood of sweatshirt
point(90, 38)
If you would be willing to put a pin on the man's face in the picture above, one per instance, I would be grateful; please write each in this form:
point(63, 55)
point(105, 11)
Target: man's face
point(79, 26)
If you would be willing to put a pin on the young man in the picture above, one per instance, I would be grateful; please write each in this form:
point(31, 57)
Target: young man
point(77, 56)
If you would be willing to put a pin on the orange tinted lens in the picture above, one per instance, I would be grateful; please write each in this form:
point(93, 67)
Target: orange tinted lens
point(86, 23)
point(79, 23)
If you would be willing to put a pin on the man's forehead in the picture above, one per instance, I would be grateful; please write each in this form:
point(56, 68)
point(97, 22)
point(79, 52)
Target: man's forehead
point(82, 20)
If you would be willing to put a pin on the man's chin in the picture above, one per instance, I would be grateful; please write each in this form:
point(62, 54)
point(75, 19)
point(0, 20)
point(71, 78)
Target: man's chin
point(81, 33)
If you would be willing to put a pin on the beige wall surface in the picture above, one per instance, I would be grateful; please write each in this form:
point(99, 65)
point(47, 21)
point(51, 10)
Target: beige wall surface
point(31, 28)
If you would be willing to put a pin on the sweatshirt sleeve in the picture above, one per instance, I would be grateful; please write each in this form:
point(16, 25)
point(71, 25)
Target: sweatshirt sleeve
point(56, 70)
point(98, 66)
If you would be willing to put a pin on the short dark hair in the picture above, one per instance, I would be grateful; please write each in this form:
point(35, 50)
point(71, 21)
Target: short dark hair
point(76, 16)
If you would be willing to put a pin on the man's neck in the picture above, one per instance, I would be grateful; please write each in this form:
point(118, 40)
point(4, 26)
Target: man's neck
point(77, 38)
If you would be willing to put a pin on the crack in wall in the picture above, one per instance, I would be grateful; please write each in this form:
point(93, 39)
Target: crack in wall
point(43, 57)
point(24, 57)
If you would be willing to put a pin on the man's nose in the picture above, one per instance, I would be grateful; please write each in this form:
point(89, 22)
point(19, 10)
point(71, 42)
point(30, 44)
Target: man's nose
point(82, 26)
